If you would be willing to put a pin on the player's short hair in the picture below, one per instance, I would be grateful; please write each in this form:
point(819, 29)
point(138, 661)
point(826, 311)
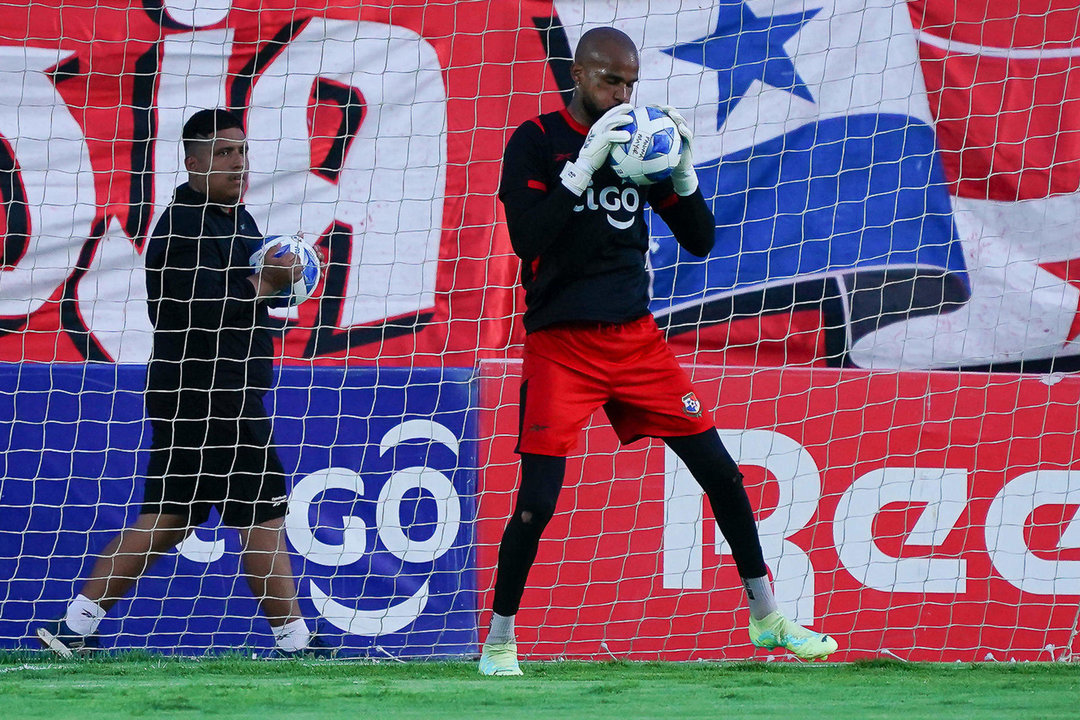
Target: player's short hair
point(603, 40)
point(204, 124)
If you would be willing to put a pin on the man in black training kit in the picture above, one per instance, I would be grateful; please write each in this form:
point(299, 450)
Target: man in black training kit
point(211, 366)
point(590, 339)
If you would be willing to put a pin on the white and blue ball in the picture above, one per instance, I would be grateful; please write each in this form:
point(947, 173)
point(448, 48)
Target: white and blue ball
point(302, 289)
point(653, 149)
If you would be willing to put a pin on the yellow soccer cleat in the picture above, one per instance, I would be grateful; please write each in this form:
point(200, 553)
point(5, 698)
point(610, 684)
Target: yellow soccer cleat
point(499, 659)
point(776, 631)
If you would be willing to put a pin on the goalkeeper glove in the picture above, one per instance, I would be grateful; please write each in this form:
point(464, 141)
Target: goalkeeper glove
point(604, 133)
point(683, 177)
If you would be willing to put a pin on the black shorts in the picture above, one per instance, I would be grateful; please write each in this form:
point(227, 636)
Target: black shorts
point(230, 464)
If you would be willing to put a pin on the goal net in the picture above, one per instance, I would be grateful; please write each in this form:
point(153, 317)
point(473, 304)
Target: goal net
point(883, 331)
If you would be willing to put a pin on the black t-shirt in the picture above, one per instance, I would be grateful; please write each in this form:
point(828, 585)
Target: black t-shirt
point(584, 257)
point(212, 345)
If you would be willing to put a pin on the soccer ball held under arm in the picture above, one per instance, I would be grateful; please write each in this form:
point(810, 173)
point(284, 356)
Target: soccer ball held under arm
point(302, 287)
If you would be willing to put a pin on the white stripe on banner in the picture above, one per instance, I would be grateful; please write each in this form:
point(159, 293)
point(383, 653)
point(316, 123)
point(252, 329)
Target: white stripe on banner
point(955, 46)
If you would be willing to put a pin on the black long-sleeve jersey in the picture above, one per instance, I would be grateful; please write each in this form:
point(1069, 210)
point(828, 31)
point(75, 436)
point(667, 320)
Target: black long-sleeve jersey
point(212, 345)
point(583, 258)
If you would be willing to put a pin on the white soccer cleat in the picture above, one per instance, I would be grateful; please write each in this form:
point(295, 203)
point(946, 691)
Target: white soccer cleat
point(499, 659)
point(776, 631)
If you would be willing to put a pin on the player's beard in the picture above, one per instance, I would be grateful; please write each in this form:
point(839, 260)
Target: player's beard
point(594, 111)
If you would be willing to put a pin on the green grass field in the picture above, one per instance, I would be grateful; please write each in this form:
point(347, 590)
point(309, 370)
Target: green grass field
point(146, 686)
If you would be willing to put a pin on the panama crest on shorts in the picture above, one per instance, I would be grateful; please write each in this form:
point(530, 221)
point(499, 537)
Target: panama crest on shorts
point(691, 405)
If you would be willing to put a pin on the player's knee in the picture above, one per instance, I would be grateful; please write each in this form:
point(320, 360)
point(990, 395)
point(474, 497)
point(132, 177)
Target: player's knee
point(721, 479)
point(725, 471)
point(158, 541)
point(537, 513)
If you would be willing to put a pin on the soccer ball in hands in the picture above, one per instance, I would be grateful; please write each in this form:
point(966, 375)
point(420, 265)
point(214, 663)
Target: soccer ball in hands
point(653, 149)
point(302, 289)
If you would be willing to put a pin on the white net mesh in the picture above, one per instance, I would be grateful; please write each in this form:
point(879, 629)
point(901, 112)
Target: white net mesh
point(894, 186)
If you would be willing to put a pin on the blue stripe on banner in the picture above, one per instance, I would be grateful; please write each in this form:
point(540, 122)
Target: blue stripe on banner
point(855, 192)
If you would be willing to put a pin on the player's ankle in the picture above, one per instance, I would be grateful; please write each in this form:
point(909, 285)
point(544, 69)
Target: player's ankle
point(292, 636)
point(84, 615)
point(502, 629)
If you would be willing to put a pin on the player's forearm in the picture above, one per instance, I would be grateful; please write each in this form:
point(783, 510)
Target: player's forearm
point(534, 225)
point(692, 223)
point(265, 288)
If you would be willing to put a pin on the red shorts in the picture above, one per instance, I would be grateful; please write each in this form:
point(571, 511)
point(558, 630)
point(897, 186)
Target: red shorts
point(570, 370)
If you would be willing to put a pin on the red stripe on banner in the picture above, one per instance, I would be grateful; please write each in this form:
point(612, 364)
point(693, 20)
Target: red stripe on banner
point(26, 342)
point(1046, 24)
point(1008, 129)
point(537, 185)
point(1006, 98)
point(1069, 271)
point(782, 339)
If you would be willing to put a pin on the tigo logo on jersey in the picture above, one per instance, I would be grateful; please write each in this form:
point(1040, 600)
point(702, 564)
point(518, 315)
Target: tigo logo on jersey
point(691, 405)
point(615, 200)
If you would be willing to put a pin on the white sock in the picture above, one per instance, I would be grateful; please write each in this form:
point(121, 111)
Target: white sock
point(84, 615)
point(502, 629)
point(759, 593)
point(292, 636)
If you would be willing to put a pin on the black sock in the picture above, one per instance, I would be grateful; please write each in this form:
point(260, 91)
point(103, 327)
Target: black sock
point(541, 482)
point(709, 462)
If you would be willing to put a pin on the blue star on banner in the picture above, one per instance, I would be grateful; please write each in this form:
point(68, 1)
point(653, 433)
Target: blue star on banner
point(744, 48)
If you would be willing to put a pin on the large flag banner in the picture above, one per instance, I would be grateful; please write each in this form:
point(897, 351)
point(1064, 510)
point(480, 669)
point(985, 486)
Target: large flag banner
point(894, 184)
point(1004, 88)
point(900, 172)
point(814, 146)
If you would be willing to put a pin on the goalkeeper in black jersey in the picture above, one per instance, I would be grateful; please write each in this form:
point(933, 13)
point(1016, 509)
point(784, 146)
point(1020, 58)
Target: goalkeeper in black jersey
point(590, 339)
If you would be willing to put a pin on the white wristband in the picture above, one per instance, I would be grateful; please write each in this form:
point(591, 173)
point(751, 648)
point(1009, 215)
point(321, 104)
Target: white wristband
point(575, 179)
point(685, 184)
